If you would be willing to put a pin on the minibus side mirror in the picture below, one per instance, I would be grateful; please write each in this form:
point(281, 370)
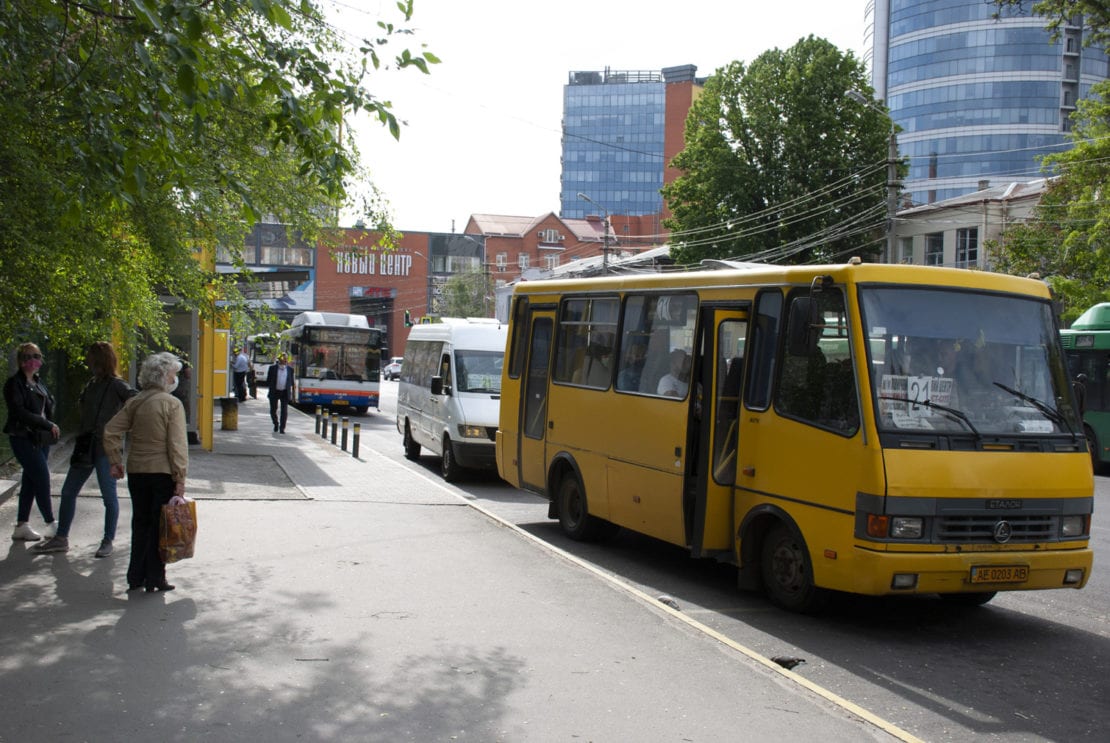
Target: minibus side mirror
point(438, 388)
point(802, 325)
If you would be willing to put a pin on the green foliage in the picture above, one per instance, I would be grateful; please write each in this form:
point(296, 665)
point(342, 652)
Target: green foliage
point(1060, 13)
point(1068, 240)
point(467, 294)
point(139, 132)
point(779, 164)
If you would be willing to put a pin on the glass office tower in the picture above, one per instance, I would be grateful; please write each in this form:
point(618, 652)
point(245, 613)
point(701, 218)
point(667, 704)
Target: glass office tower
point(613, 127)
point(978, 99)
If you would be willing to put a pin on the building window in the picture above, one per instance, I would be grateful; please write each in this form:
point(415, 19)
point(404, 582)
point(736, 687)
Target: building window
point(934, 249)
point(551, 262)
point(522, 260)
point(967, 247)
point(905, 250)
point(502, 260)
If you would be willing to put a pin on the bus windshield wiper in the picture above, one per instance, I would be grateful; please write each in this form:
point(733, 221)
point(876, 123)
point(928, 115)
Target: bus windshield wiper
point(1051, 413)
point(957, 415)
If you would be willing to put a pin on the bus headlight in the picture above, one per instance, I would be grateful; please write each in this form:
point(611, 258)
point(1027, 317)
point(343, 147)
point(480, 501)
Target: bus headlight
point(906, 527)
point(472, 432)
point(1072, 526)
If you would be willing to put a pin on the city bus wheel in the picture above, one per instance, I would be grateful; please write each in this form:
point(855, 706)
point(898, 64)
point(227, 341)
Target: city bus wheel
point(449, 466)
point(787, 573)
point(969, 599)
point(412, 449)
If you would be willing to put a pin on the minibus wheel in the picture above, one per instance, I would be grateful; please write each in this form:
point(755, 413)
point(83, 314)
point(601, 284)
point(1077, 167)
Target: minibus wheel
point(412, 449)
point(449, 466)
point(574, 517)
point(787, 573)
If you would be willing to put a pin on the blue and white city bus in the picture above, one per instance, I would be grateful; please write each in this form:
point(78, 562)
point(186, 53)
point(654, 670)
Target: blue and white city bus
point(337, 360)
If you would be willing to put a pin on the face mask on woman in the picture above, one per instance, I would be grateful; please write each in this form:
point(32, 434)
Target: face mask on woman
point(173, 385)
point(32, 363)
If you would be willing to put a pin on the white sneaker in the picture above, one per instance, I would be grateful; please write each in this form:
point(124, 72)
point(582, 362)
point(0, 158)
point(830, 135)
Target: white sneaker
point(51, 529)
point(24, 533)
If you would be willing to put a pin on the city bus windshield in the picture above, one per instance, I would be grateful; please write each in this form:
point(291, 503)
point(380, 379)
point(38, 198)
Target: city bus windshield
point(950, 361)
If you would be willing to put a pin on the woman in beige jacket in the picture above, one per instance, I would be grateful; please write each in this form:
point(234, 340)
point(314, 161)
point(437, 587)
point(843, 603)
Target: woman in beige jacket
point(157, 459)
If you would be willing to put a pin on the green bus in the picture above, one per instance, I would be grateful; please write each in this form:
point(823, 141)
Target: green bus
point(1087, 349)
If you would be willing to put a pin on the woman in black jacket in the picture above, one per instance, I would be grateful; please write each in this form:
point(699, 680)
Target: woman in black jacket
point(31, 430)
point(102, 398)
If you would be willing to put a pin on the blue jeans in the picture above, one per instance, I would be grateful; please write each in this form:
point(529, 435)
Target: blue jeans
point(75, 479)
point(34, 486)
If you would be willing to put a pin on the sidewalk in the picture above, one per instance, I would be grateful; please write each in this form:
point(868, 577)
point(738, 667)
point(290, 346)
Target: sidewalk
point(340, 599)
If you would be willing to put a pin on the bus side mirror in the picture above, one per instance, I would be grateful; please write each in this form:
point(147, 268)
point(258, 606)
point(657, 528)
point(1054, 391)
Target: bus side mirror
point(802, 324)
point(437, 385)
point(294, 349)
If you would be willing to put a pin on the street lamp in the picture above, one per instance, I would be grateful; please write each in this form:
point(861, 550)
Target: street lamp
point(891, 172)
point(605, 238)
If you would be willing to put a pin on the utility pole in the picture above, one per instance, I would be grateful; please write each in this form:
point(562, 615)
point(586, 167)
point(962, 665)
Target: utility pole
point(891, 175)
point(891, 194)
point(605, 236)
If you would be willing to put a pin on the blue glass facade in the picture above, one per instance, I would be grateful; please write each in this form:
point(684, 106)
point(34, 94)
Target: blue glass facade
point(613, 143)
point(977, 98)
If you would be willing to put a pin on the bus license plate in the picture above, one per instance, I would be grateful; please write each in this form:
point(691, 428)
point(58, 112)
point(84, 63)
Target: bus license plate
point(999, 573)
point(339, 402)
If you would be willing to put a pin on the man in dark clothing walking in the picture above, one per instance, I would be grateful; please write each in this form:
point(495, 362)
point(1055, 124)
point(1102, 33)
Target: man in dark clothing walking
point(280, 381)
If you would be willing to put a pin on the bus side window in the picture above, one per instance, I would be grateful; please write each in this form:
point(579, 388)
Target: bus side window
point(765, 335)
point(812, 386)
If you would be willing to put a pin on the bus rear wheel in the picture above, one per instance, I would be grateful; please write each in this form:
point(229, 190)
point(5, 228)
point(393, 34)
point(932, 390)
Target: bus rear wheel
point(788, 574)
point(412, 449)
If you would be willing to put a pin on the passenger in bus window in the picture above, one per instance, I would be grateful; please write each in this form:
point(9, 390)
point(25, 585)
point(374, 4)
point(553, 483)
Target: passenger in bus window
point(628, 378)
point(676, 382)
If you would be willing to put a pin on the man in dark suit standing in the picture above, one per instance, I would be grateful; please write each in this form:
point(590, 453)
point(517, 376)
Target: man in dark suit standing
point(280, 381)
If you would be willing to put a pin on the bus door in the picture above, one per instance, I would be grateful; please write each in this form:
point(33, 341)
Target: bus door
point(708, 495)
point(531, 454)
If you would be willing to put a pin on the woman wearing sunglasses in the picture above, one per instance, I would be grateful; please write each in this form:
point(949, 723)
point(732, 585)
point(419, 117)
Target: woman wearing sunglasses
point(31, 430)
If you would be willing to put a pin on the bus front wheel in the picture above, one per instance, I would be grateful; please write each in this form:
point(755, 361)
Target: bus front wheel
point(788, 574)
point(574, 516)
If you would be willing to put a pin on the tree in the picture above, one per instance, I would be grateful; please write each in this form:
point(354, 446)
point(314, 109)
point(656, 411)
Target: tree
point(779, 164)
point(138, 132)
point(1059, 13)
point(467, 294)
point(1068, 239)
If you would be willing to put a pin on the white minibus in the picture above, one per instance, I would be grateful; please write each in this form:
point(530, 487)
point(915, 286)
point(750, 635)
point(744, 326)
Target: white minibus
point(449, 396)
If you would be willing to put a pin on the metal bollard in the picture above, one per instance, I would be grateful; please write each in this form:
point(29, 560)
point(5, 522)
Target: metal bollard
point(354, 444)
point(343, 446)
point(334, 426)
point(324, 426)
point(318, 413)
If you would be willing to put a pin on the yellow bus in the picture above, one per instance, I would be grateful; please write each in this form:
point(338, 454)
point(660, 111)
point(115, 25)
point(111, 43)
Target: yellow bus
point(863, 428)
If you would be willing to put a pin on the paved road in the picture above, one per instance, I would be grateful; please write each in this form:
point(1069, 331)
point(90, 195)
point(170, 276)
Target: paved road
point(942, 672)
point(341, 599)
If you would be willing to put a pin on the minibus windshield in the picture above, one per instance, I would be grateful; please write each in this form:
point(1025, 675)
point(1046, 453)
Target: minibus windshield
point(946, 361)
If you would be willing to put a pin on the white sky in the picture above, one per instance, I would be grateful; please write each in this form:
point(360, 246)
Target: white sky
point(483, 130)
